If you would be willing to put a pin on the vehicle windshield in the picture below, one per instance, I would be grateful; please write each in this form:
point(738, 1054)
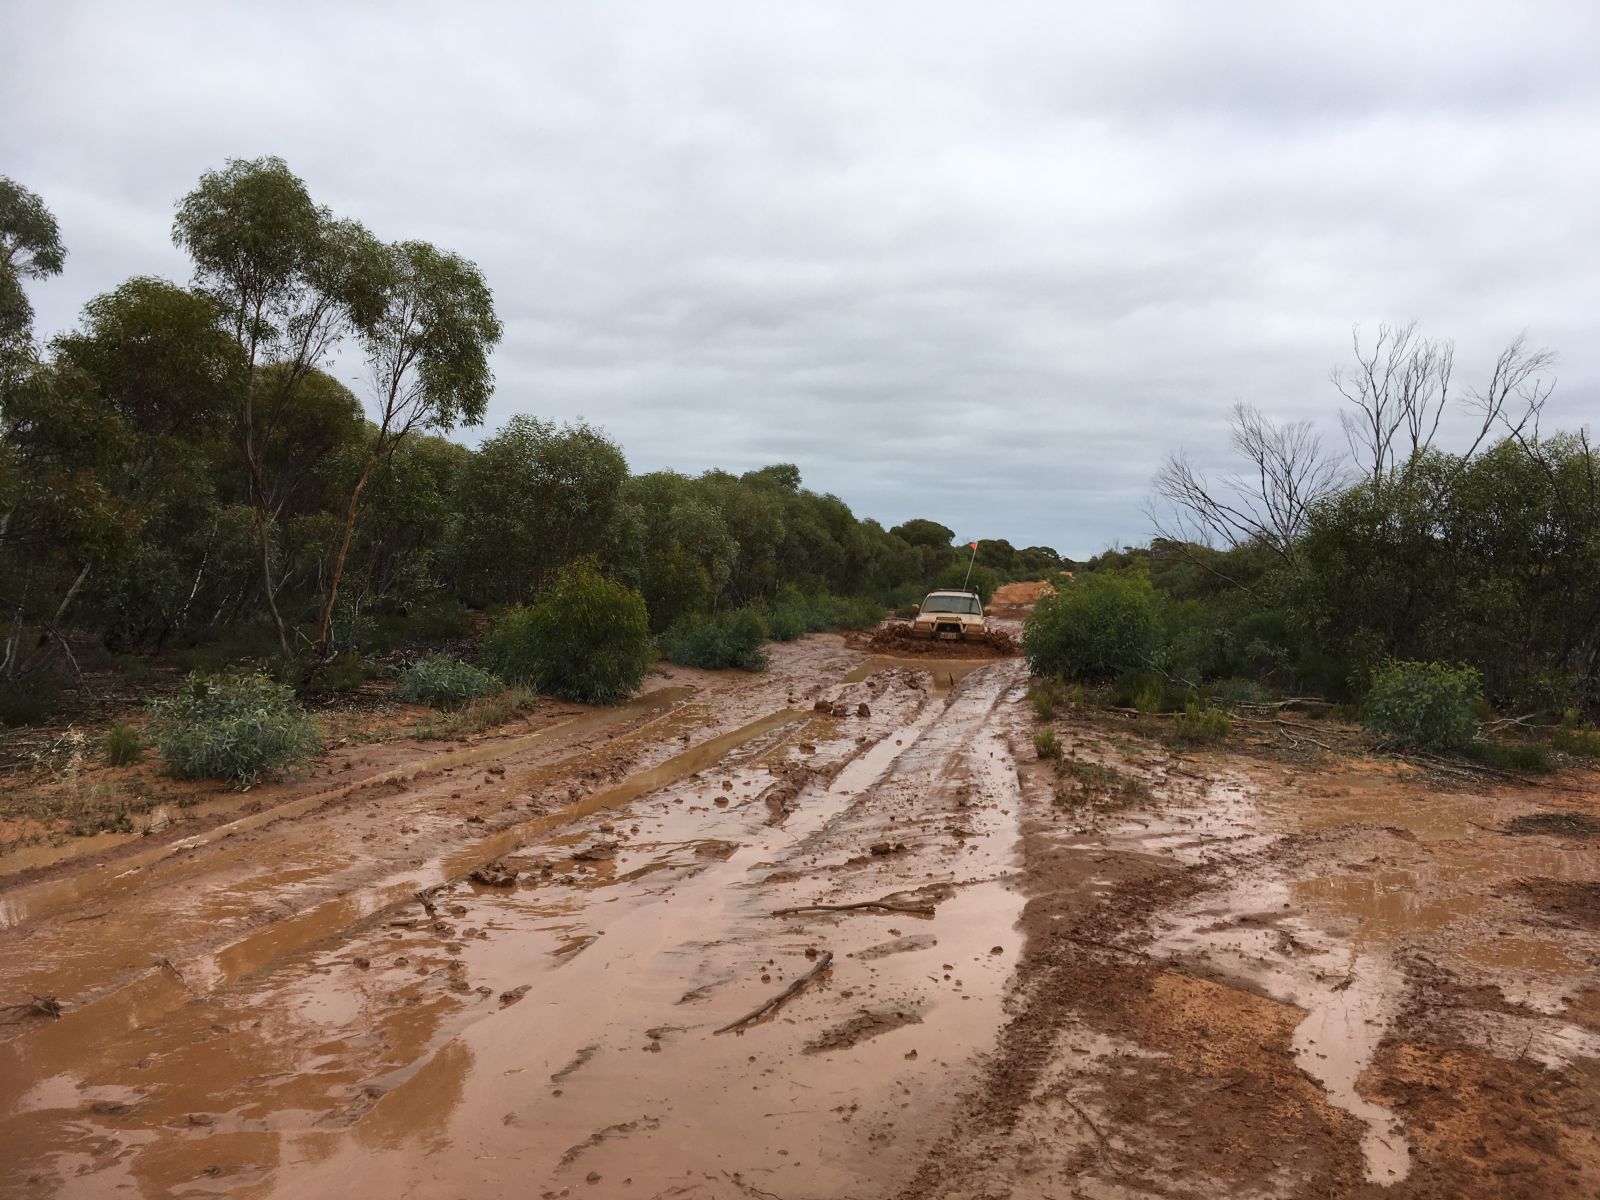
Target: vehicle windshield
point(952, 604)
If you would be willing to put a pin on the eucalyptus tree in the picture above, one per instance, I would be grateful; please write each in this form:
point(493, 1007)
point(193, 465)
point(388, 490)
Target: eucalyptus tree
point(427, 346)
point(534, 497)
point(30, 248)
point(291, 280)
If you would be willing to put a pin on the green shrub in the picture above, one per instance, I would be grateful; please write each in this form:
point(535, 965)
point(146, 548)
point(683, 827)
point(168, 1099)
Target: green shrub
point(732, 638)
point(1093, 627)
point(1512, 756)
point(476, 716)
point(30, 699)
point(344, 672)
point(785, 622)
point(1044, 695)
point(224, 649)
point(1571, 737)
point(123, 746)
point(1426, 705)
point(793, 613)
point(234, 726)
point(1148, 692)
point(585, 638)
point(444, 682)
point(1047, 744)
point(1196, 725)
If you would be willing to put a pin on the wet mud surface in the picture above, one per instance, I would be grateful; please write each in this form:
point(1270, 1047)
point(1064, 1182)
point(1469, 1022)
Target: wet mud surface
point(831, 931)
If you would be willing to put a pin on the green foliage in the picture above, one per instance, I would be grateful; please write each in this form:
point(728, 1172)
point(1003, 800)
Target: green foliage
point(1099, 780)
point(585, 638)
point(922, 532)
point(478, 716)
point(1146, 691)
point(30, 248)
point(1423, 704)
point(1093, 627)
point(235, 726)
point(1572, 737)
point(793, 614)
point(1196, 725)
point(29, 700)
point(344, 672)
point(1044, 695)
point(1512, 756)
point(533, 497)
point(1046, 744)
point(123, 745)
point(444, 682)
point(980, 579)
point(732, 638)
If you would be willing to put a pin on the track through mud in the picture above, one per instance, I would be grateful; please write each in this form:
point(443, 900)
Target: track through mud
point(732, 945)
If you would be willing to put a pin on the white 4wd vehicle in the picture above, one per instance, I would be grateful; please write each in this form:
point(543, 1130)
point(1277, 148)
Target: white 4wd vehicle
point(953, 614)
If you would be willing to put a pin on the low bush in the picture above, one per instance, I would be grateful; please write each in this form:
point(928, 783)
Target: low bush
point(793, 613)
point(1574, 738)
point(1230, 693)
point(344, 672)
point(444, 682)
point(732, 638)
point(585, 638)
point(1098, 778)
point(30, 699)
point(123, 746)
point(1512, 756)
point(1197, 726)
point(1046, 744)
point(1044, 695)
point(1430, 706)
point(1147, 691)
point(1094, 627)
point(235, 726)
point(477, 716)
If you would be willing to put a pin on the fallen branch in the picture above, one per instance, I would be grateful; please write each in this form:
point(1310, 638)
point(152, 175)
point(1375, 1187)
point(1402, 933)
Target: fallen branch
point(789, 993)
point(1300, 730)
point(917, 910)
point(1095, 1129)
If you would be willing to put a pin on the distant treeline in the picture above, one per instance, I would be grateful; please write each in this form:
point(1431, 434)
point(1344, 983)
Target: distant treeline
point(1309, 568)
point(181, 470)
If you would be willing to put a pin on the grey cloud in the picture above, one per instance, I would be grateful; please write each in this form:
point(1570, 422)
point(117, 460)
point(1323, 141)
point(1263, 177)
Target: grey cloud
point(980, 263)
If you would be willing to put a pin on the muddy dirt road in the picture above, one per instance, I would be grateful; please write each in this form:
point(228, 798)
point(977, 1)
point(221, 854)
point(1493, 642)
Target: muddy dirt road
point(832, 931)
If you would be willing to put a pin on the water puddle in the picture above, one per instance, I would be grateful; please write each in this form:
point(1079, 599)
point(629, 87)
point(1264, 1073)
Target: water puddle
point(563, 1029)
point(57, 895)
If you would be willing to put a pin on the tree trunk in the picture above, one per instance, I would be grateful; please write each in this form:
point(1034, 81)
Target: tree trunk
point(325, 626)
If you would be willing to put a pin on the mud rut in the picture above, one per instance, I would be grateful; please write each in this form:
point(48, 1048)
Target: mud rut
point(752, 949)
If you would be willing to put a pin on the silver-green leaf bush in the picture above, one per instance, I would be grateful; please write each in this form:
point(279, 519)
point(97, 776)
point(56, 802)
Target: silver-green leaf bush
point(444, 682)
point(234, 726)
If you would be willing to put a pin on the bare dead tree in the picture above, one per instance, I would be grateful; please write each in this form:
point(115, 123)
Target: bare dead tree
point(1518, 389)
point(1400, 388)
point(1287, 470)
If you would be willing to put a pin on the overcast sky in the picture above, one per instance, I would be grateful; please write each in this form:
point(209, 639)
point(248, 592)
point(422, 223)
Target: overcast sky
point(985, 263)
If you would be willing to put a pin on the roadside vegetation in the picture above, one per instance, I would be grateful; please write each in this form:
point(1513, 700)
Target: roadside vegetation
point(185, 488)
point(1448, 599)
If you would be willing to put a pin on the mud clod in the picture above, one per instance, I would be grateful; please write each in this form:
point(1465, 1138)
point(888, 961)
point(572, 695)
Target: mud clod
point(494, 874)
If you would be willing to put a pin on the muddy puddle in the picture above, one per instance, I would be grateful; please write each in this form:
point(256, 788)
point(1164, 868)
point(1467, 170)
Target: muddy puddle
point(1416, 872)
point(562, 1031)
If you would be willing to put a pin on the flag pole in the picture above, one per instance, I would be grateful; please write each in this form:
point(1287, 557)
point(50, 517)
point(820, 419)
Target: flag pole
point(970, 561)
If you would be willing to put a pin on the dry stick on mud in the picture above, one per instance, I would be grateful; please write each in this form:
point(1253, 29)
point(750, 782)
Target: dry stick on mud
point(789, 993)
point(916, 910)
